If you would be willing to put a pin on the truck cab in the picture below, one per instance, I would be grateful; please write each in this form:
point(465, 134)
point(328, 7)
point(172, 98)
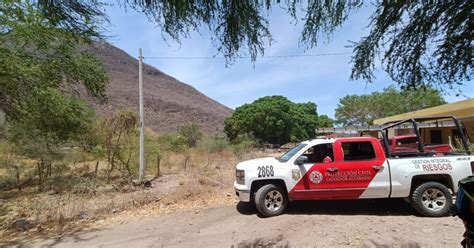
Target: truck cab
point(353, 168)
point(319, 169)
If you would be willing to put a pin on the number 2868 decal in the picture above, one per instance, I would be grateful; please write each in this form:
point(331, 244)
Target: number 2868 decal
point(265, 171)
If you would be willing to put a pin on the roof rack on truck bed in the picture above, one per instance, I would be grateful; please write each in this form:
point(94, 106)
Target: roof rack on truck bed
point(401, 124)
point(381, 127)
point(414, 123)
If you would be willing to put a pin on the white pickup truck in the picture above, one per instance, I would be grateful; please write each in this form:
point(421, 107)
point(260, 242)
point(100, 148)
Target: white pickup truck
point(353, 168)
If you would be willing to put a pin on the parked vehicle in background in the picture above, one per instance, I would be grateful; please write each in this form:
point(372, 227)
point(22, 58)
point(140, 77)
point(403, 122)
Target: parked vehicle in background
point(409, 143)
point(356, 168)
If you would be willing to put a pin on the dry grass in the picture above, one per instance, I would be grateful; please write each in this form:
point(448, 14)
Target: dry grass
point(207, 181)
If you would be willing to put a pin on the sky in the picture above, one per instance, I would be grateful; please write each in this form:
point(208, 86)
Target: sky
point(322, 80)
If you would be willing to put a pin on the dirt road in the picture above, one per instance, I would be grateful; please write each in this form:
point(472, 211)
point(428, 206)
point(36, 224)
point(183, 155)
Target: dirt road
point(363, 223)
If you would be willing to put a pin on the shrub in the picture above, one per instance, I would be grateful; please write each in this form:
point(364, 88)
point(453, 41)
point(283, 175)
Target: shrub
point(213, 145)
point(191, 132)
point(171, 142)
point(118, 131)
point(242, 144)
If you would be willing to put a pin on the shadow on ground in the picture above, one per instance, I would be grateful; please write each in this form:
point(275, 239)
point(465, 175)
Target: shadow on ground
point(381, 207)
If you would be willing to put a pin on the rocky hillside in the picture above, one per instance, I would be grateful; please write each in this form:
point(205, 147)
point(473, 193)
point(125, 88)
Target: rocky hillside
point(168, 102)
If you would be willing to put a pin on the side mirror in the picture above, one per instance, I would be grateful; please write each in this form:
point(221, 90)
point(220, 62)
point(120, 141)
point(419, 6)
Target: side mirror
point(301, 160)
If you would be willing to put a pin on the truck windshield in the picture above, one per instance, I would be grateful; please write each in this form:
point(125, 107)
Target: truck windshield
point(290, 153)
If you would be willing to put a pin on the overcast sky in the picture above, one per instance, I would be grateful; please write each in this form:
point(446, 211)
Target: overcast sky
point(323, 80)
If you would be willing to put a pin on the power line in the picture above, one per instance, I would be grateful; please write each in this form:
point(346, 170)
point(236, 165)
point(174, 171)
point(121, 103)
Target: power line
point(249, 57)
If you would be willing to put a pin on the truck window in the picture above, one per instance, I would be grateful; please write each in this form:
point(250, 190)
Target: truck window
point(353, 151)
point(287, 155)
point(408, 141)
point(436, 137)
point(318, 153)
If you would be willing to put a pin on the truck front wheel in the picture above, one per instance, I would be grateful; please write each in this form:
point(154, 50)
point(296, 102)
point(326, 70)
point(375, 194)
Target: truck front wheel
point(271, 200)
point(432, 199)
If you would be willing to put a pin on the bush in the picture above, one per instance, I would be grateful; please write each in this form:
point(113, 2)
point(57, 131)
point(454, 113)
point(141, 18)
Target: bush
point(117, 135)
point(242, 144)
point(191, 133)
point(171, 142)
point(213, 145)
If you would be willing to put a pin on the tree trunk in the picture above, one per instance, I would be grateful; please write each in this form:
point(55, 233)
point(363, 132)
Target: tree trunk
point(17, 175)
point(48, 170)
point(112, 167)
point(96, 169)
point(40, 176)
point(186, 162)
point(208, 161)
point(127, 165)
point(109, 172)
point(158, 161)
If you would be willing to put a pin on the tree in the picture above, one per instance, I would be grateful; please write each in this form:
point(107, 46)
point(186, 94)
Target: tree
point(273, 119)
point(41, 71)
point(325, 121)
point(423, 43)
point(39, 43)
point(50, 121)
point(117, 131)
point(304, 120)
point(363, 109)
point(242, 26)
point(191, 132)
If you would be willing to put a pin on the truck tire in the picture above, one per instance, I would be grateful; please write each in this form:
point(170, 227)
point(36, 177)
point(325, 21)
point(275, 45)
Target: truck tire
point(271, 200)
point(432, 199)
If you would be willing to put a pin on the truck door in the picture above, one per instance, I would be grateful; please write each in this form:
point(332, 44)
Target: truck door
point(360, 169)
point(346, 169)
point(313, 184)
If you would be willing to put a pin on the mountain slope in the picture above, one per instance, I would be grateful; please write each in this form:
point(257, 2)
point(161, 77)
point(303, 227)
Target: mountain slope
point(167, 101)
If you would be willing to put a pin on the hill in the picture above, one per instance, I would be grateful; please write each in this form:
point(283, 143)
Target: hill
point(167, 101)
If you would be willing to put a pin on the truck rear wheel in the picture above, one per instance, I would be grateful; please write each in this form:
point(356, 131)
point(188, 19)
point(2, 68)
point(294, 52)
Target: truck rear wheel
point(271, 200)
point(432, 199)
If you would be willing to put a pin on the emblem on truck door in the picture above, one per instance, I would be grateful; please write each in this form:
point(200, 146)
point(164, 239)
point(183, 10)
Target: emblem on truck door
point(316, 177)
point(295, 174)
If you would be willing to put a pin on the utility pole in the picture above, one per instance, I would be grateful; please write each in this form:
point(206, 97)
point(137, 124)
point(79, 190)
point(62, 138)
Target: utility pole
point(142, 124)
